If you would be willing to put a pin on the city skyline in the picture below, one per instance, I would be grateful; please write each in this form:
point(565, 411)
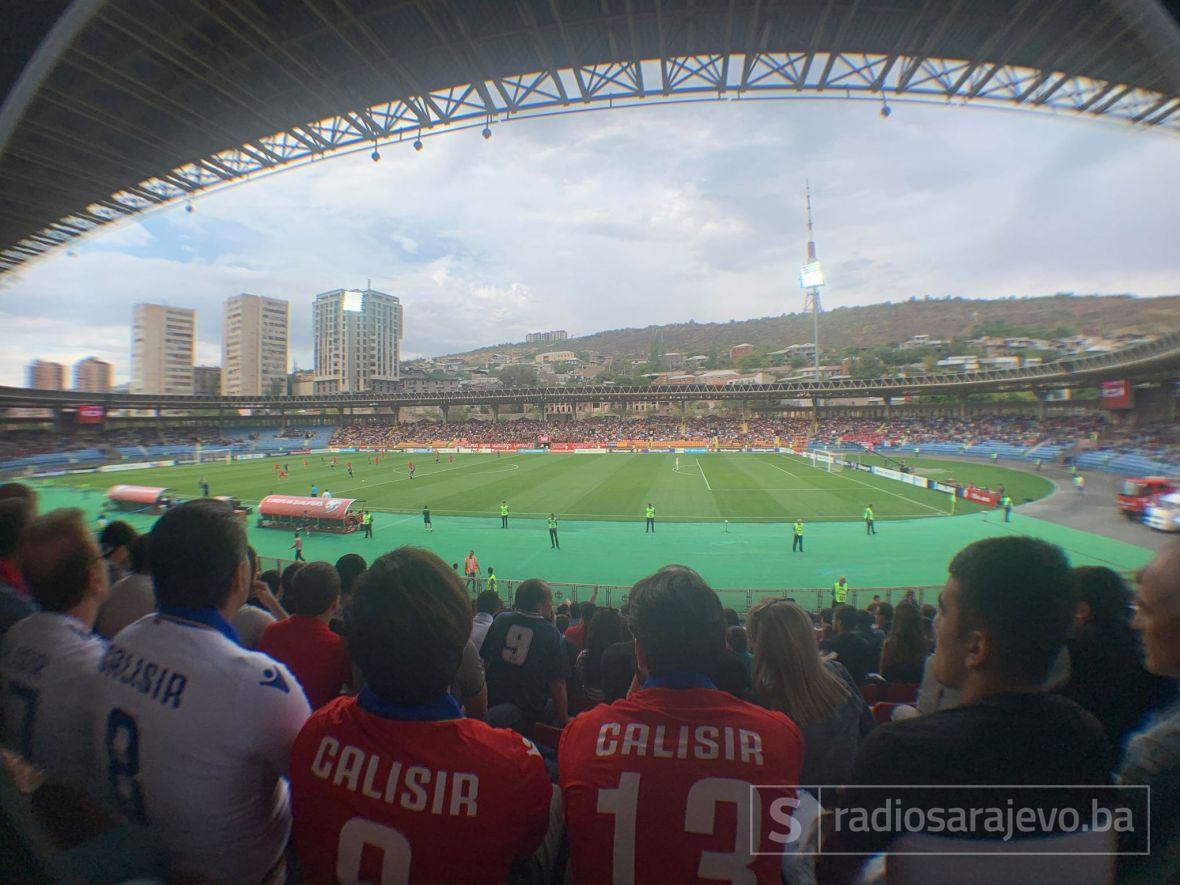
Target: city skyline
point(633, 218)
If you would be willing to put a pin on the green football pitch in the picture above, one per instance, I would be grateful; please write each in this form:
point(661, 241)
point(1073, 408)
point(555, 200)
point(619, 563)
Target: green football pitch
point(727, 515)
point(691, 488)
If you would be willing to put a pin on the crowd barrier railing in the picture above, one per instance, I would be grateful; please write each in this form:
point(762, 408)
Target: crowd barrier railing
point(739, 599)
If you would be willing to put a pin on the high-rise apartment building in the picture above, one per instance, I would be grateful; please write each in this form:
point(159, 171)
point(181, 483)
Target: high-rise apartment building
point(546, 337)
point(207, 381)
point(254, 346)
point(162, 340)
point(357, 341)
point(92, 375)
point(46, 376)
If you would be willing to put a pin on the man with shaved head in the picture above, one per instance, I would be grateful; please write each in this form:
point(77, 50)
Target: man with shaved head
point(1153, 755)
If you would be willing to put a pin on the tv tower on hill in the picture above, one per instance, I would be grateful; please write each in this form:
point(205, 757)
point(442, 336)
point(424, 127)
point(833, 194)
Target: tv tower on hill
point(811, 278)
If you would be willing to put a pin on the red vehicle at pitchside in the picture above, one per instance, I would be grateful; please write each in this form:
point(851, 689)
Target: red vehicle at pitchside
point(1136, 494)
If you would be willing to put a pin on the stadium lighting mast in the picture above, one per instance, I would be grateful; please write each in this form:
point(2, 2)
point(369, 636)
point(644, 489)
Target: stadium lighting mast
point(811, 278)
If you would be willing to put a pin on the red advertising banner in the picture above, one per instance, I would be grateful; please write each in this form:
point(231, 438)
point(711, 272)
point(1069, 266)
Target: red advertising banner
point(1116, 395)
point(90, 415)
point(567, 447)
point(981, 496)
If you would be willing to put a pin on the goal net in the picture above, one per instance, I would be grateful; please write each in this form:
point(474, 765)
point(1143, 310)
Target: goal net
point(824, 461)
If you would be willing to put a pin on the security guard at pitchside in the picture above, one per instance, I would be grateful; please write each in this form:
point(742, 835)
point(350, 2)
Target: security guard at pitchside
point(797, 541)
point(649, 513)
point(503, 514)
point(840, 591)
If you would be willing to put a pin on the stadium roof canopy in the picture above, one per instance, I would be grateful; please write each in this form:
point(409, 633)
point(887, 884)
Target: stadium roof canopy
point(113, 107)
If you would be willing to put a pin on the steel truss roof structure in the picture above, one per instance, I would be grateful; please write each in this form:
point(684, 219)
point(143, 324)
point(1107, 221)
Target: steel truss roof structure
point(128, 105)
point(1159, 358)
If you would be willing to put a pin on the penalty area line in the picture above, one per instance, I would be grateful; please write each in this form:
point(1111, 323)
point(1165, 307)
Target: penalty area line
point(702, 470)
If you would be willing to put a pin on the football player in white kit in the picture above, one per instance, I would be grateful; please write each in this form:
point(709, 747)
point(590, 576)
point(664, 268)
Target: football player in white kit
point(193, 731)
point(49, 660)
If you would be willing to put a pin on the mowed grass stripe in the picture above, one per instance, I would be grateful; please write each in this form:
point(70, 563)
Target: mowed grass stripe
point(750, 479)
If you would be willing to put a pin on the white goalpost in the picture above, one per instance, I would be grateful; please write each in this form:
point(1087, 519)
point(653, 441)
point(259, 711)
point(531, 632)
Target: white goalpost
point(824, 461)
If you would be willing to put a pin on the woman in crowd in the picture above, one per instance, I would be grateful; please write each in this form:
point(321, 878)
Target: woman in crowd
point(789, 676)
point(605, 630)
point(906, 646)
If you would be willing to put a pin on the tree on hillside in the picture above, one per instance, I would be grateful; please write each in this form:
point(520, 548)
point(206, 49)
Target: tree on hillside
point(868, 366)
point(655, 354)
point(752, 361)
point(518, 376)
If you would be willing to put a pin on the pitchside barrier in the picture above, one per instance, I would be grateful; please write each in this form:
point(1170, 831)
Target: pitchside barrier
point(614, 596)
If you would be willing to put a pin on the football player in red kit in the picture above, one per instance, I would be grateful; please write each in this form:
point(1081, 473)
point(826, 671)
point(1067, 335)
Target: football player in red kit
point(394, 785)
point(659, 787)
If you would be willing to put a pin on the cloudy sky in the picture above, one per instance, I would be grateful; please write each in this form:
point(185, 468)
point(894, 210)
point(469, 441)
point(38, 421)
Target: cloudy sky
point(625, 218)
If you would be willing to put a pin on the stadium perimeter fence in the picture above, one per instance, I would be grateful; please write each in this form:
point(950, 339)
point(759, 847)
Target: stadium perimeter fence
point(740, 600)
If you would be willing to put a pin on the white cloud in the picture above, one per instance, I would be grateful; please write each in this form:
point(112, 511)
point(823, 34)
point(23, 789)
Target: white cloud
point(632, 217)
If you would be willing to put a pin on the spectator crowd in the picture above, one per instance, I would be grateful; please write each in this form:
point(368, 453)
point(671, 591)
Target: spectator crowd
point(1158, 441)
point(170, 714)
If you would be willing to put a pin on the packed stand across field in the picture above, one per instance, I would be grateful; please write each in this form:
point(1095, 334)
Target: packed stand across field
point(1021, 433)
point(204, 722)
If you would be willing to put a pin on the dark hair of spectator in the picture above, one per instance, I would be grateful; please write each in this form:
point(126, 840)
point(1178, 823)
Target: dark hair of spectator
point(607, 628)
point(907, 640)
point(731, 617)
point(315, 590)
point(589, 610)
point(736, 639)
point(575, 609)
point(349, 567)
point(197, 548)
point(15, 514)
point(251, 557)
point(57, 553)
point(1020, 590)
point(407, 626)
point(139, 554)
point(865, 621)
point(562, 622)
point(846, 616)
point(117, 534)
point(531, 594)
point(288, 576)
point(18, 491)
point(488, 602)
point(270, 577)
point(885, 613)
point(677, 620)
point(1108, 596)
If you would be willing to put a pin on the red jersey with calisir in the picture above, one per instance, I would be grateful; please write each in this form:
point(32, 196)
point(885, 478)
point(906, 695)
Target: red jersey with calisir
point(658, 787)
point(379, 799)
